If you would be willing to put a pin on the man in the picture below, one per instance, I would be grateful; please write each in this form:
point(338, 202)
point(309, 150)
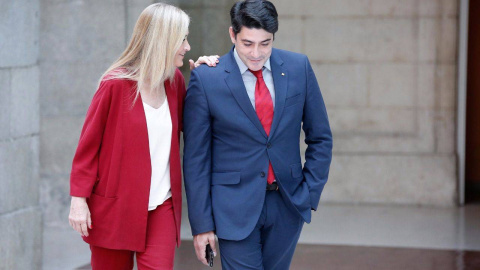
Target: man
point(242, 167)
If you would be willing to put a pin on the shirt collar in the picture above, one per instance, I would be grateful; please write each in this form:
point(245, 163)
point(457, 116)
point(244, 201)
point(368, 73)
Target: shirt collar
point(244, 67)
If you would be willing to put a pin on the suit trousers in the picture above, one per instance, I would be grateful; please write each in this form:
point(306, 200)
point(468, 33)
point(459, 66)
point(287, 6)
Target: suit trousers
point(159, 250)
point(272, 242)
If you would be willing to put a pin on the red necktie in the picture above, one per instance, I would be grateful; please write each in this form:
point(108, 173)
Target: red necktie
point(264, 109)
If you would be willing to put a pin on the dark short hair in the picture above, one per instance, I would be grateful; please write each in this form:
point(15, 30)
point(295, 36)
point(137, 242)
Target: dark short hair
point(259, 14)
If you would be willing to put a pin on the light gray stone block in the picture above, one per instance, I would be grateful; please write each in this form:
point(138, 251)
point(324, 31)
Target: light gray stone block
point(393, 40)
point(21, 246)
point(393, 85)
point(188, 4)
point(450, 7)
point(391, 8)
point(448, 41)
point(421, 142)
point(447, 85)
point(426, 86)
point(343, 85)
point(417, 180)
point(429, 8)
point(373, 122)
point(19, 168)
point(67, 89)
point(63, 248)
point(336, 40)
point(288, 8)
point(215, 35)
point(5, 104)
point(55, 200)
point(57, 154)
point(358, 40)
point(428, 39)
point(25, 107)
point(339, 8)
point(445, 126)
point(19, 32)
point(82, 31)
point(224, 4)
point(350, 8)
point(290, 35)
point(134, 8)
point(438, 8)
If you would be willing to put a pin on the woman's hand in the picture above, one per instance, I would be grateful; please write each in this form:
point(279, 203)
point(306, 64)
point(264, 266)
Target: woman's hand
point(79, 217)
point(211, 61)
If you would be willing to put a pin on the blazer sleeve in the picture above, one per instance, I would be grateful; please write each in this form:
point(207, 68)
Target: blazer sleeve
point(318, 138)
point(197, 157)
point(85, 162)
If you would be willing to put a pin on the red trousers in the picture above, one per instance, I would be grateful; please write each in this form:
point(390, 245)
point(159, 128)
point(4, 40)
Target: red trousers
point(160, 245)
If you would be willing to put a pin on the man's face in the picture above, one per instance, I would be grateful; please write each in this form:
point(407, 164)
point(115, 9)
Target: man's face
point(254, 46)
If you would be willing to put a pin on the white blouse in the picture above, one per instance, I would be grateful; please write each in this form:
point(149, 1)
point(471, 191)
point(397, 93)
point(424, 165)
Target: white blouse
point(159, 125)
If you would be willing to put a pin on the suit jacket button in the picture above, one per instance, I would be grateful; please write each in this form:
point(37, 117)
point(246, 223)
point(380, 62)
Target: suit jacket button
point(262, 174)
point(269, 145)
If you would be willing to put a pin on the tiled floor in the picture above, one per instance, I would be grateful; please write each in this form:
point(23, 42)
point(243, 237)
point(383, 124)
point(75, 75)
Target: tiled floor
point(341, 237)
point(354, 258)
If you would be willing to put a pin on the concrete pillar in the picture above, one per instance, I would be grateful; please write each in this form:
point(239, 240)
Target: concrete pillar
point(20, 213)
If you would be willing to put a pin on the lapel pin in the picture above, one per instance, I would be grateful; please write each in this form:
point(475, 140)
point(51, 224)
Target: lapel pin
point(283, 74)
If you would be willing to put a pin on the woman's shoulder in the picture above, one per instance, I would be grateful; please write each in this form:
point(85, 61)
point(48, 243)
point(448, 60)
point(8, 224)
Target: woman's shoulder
point(114, 79)
point(179, 75)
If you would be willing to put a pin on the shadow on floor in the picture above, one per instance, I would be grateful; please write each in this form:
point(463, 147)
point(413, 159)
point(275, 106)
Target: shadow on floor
point(354, 258)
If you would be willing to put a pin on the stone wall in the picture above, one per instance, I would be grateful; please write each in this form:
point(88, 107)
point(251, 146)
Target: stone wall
point(20, 213)
point(387, 70)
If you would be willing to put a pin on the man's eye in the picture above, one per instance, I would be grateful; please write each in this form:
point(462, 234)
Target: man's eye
point(265, 44)
point(248, 45)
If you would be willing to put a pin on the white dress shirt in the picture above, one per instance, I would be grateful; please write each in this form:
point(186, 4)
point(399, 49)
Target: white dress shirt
point(249, 80)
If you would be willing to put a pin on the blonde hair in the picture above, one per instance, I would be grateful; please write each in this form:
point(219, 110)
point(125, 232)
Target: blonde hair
point(149, 57)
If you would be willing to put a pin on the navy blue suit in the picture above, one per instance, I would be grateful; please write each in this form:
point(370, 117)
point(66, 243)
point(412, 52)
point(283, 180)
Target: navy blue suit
point(227, 151)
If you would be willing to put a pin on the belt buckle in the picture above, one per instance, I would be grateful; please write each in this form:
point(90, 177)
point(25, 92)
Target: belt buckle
point(270, 185)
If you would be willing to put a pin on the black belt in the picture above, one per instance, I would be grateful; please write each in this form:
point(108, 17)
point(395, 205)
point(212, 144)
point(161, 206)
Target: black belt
point(272, 187)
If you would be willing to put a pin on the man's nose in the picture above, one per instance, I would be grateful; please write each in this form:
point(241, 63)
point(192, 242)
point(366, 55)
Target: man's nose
point(255, 52)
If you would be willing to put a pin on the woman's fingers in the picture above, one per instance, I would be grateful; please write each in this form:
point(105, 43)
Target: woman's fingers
point(89, 221)
point(79, 217)
point(205, 59)
point(211, 60)
point(192, 64)
point(83, 228)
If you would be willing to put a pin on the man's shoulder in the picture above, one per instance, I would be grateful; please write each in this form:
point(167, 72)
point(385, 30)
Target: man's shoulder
point(205, 70)
point(289, 56)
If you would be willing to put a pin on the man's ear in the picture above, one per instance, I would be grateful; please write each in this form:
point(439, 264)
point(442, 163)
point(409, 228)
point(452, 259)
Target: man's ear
point(232, 34)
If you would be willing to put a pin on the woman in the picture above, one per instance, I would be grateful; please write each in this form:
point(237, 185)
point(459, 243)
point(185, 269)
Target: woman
point(125, 181)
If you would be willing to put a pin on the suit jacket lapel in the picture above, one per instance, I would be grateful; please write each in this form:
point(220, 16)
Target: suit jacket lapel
point(234, 81)
point(280, 79)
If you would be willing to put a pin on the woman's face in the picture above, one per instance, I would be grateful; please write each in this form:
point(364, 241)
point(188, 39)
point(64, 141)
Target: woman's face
point(184, 48)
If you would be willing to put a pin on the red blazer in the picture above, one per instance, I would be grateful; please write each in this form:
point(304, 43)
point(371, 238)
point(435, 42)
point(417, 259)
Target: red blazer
point(112, 165)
